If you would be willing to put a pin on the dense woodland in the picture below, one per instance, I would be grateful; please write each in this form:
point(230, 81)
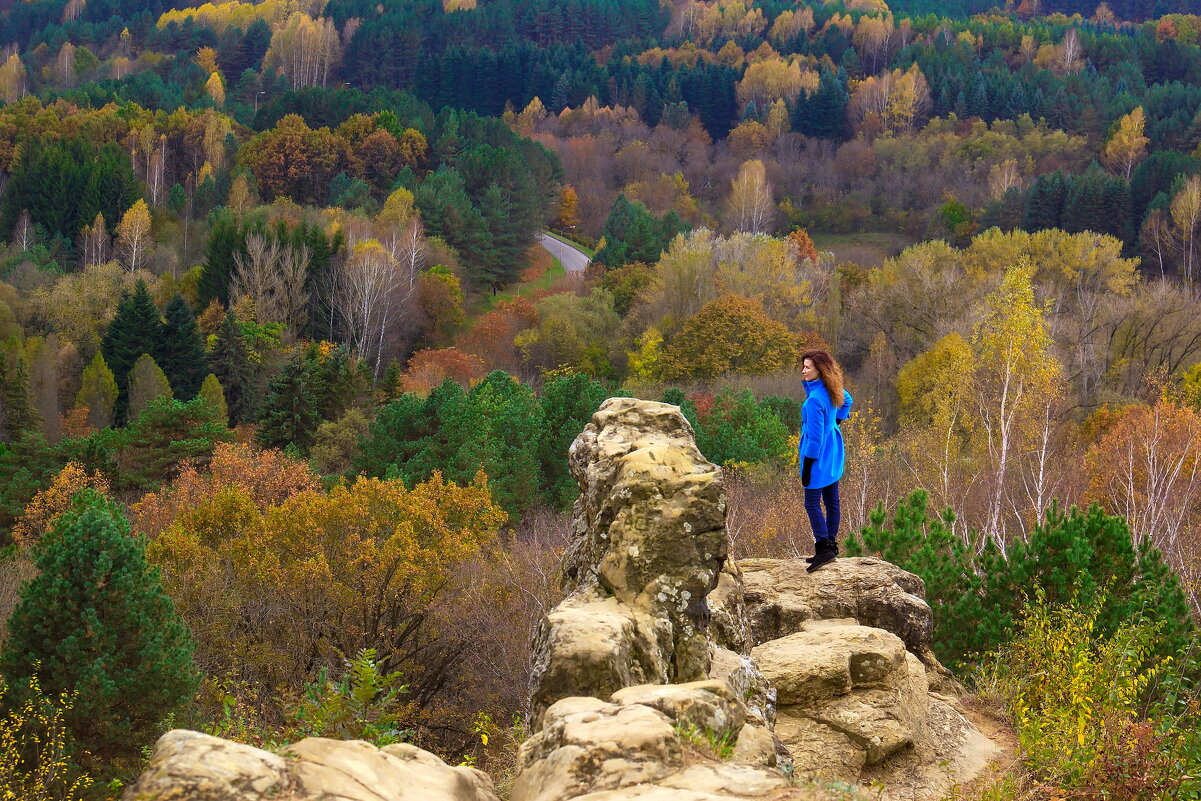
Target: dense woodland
point(287, 386)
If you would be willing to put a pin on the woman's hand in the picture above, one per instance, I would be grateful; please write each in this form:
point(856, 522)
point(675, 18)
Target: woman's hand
point(807, 470)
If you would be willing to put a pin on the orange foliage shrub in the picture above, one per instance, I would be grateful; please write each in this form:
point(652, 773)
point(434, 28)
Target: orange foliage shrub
point(75, 423)
point(48, 504)
point(492, 337)
point(429, 368)
point(803, 246)
point(268, 477)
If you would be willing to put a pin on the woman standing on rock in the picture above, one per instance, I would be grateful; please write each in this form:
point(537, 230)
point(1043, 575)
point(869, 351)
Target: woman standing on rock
point(821, 451)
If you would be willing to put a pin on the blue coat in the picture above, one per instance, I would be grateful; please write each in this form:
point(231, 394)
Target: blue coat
point(821, 438)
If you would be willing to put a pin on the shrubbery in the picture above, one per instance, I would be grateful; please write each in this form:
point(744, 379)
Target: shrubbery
point(1096, 716)
point(978, 593)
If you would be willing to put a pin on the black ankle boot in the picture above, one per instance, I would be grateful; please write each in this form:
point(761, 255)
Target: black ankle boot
point(827, 551)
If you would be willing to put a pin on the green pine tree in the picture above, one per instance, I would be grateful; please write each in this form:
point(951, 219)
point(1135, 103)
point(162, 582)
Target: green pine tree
point(96, 620)
point(18, 415)
point(136, 329)
point(98, 392)
point(568, 403)
point(181, 350)
point(147, 381)
point(214, 396)
point(167, 434)
point(229, 361)
point(287, 414)
point(1076, 556)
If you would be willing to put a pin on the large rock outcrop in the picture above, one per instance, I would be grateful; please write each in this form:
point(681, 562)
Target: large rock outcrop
point(828, 675)
point(648, 545)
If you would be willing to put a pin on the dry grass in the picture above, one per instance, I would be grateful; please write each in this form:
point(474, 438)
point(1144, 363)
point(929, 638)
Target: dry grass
point(867, 250)
point(15, 569)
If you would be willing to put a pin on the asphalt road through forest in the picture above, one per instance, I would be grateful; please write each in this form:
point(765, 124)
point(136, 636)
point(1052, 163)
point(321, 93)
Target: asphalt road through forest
point(573, 260)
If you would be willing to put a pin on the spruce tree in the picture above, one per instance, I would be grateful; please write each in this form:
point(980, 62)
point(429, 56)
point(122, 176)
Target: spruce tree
point(1044, 206)
point(136, 329)
point(214, 396)
point(181, 350)
point(823, 114)
point(95, 620)
point(288, 415)
point(226, 238)
point(147, 381)
point(230, 363)
point(18, 415)
point(98, 392)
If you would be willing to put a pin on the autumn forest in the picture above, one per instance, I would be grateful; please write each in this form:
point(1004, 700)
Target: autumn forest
point(284, 362)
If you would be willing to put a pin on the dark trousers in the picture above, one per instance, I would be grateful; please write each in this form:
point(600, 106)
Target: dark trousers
point(825, 526)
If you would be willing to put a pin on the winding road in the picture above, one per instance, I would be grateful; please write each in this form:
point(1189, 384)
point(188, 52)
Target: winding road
point(573, 260)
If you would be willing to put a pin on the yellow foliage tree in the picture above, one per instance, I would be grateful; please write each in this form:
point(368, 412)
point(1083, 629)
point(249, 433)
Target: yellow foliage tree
point(240, 199)
point(133, 235)
point(1127, 147)
point(750, 208)
point(569, 206)
point(206, 57)
point(214, 87)
point(45, 507)
point(892, 101)
point(1017, 379)
point(731, 334)
point(272, 596)
point(12, 79)
point(937, 411)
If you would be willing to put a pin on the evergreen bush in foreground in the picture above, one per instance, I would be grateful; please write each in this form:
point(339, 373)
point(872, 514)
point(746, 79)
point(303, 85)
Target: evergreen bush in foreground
point(1073, 557)
point(95, 621)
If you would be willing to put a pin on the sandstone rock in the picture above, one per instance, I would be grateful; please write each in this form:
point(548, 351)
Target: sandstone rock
point(652, 792)
point(756, 745)
point(586, 745)
point(729, 623)
point(648, 546)
point(707, 706)
point(730, 780)
point(781, 596)
point(587, 645)
point(850, 697)
point(819, 751)
point(748, 683)
point(193, 766)
point(826, 660)
point(358, 771)
point(190, 765)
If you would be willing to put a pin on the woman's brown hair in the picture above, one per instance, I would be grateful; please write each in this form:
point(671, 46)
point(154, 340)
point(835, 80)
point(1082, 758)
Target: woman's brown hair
point(830, 372)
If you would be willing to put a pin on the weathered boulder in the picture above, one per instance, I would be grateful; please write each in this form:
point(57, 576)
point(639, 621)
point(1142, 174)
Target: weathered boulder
point(191, 765)
point(781, 597)
point(849, 697)
point(648, 742)
point(648, 546)
point(196, 767)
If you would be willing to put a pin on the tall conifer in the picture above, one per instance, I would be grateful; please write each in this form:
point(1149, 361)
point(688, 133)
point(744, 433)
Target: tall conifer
point(136, 329)
point(181, 350)
point(96, 620)
point(230, 363)
point(288, 415)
